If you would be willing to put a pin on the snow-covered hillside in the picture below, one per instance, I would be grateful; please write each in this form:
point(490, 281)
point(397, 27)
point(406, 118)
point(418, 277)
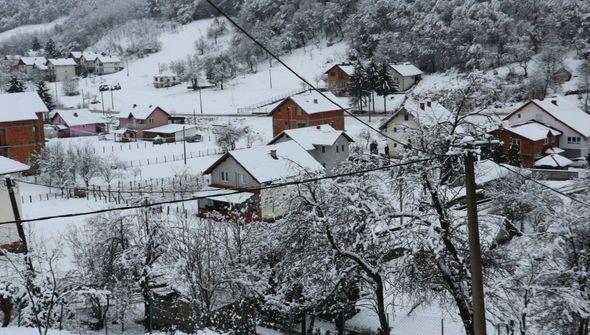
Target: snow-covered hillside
point(136, 81)
point(30, 29)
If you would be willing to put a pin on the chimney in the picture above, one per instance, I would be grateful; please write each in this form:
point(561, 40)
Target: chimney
point(554, 100)
point(273, 154)
point(134, 105)
point(429, 103)
point(75, 114)
point(315, 101)
point(422, 106)
point(318, 127)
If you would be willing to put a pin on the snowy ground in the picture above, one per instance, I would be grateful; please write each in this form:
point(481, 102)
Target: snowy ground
point(30, 29)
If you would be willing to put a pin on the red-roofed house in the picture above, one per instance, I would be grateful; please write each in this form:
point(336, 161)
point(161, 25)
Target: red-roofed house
point(559, 114)
point(137, 119)
point(338, 78)
point(532, 137)
point(307, 109)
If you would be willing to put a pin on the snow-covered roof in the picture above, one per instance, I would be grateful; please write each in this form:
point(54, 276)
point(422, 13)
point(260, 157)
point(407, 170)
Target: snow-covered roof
point(312, 102)
point(34, 60)
point(310, 137)
point(554, 150)
point(165, 73)
point(291, 160)
point(20, 106)
point(212, 194)
point(79, 117)
point(406, 69)
point(76, 54)
point(108, 59)
point(140, 112)
point(566, 112)
point(426, 113)
point(487, 170)
point(62, 61)
point(90, 56)
point(170, 128)
point(533, 130)
point(8, 166)
point(553, 160)
point(347, 68)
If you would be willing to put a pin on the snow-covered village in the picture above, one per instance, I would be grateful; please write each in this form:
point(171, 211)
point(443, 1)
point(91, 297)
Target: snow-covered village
point(312, 167)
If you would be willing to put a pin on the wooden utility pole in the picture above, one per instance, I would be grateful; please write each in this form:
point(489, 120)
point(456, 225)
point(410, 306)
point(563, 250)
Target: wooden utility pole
point(184, 142)
point(479, 319)
point(19, 226)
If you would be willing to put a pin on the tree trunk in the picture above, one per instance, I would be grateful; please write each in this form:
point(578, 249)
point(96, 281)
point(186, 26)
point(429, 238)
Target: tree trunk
point(303, 324)
point(384, 104)
point(6, 308)
point(379, 292)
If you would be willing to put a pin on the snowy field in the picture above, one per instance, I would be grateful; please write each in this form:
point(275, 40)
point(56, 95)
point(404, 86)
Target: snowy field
point(31, 29)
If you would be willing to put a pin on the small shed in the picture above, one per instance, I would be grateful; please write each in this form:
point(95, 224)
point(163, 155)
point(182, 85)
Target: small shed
point(405, 74)
point(173, 132)
point(553, 161)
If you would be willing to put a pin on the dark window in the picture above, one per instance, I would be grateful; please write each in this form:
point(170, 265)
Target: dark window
point(323, 149)
point(406, 116)
point(301, 124)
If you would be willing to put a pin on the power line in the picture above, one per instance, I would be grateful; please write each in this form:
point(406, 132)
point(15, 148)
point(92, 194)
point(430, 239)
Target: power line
point(245, 190)
point(240, 28)
point(546, 186)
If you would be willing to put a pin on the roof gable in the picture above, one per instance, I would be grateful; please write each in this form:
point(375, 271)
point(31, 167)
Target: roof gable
point(21, 106)
point(312, 102)
point(406, 69)
point(78, 117)
point(310, 137)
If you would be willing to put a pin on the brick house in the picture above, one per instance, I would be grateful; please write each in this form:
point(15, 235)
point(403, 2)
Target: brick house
point(532, 137)
point(21, 125)
point(139, 118)
point(307, 109)
point(338, 79)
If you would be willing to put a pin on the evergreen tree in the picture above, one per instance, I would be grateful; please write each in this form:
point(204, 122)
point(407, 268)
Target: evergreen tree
point(15, 85)
point(514, 155)
point(43, 92)
point(498, 154)
point(36, 45)
point(358, 85)
point(385, 85)
point(51, 49)
point(372, 82)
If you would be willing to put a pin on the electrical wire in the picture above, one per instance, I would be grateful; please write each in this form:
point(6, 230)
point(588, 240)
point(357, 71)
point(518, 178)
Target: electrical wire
point(245, 190)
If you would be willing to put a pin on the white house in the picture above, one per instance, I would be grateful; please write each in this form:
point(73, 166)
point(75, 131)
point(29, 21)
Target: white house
point(405, 75)
point(8, 232)
point(30, 64)
point(248, 169)
point(166, 79)
point(107, 64)
point(560, 114)
point(60, 69)
point(411, 118)
point(326, 144)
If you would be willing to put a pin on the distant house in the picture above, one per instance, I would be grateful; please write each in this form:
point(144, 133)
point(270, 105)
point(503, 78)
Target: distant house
point(30, 64)
point(173, 132)
point(553, 161)
point(107, 65)
point(252, 168)
point(166, 79)
point(559, 114)
point(139, 118)
point(405, 75)
point(21, 125)
point(338, 79)
point(61, 69)
point(326, 144)
point(533, 139)
point(307, 109)
point(77, 122)
point(85, 60)
point(409, 118)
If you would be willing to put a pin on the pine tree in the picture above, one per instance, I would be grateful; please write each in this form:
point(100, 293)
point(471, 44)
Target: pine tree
point(372, 82)
point(358, 85)
point(15, 85)
point(51, 49)
point(43, 92)
point(36, 45)
point(514, 155)
point(385, 85)
point(498, 154)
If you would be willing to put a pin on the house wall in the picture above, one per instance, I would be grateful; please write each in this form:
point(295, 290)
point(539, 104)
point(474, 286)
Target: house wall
point(338, 81)
point(106, 68)
point(399, 129)
point(8, 232)
point(61, 73)
point(233, 169)
point(330, 156)
point(404, 83)
point(288, 115)
point(19, 139)
point(533, 112)
point(81, 130)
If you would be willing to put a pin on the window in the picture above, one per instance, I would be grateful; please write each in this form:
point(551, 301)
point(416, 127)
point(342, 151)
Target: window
point(395, 145)
point(545, 141)
point(323, 149)
point(336, 148)
point(240, 178)
point(151, 120)
point(298, 111)
point(395, 129)
point(224, 176)
point(324, 165)
point(343, 148)
point(516, 141)
point(406, 116)
point(518, 116)
point(574, 140)
point(301, 124)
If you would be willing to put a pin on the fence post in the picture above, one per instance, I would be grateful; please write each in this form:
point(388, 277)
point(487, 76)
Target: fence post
point(442, 326)
point(151, 313)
